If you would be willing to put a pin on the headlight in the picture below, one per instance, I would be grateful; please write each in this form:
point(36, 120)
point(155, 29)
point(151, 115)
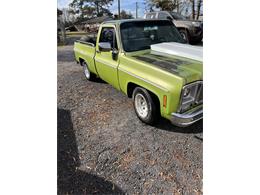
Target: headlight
point(190, 95)
point(196, 24)
point(186, 92)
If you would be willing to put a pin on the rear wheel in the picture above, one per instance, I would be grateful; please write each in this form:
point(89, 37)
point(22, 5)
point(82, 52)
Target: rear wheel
point(90, 76)
point(145, 106)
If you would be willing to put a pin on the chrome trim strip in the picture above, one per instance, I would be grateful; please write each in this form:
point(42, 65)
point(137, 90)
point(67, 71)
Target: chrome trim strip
point(83, 53)
point(187, 118)
point(188, 85)
point(134, 75)
point(199, 91)
point(194, 83)
point(105, 63)
point(86, 43)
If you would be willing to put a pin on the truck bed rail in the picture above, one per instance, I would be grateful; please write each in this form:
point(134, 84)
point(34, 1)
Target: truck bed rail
point(86, 43)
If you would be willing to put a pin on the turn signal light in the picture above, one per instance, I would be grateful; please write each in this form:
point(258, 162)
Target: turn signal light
point(164, 101)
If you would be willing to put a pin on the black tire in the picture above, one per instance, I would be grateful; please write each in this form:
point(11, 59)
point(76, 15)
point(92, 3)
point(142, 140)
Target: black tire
point(88, 75)
point(152, 111)
point(185, 35)
point(195, 41)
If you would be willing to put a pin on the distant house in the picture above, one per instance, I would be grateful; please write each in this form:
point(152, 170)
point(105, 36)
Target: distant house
point(97, 20)
point(92, 25)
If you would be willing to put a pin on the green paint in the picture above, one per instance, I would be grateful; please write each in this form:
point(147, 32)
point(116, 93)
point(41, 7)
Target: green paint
point(162, 75)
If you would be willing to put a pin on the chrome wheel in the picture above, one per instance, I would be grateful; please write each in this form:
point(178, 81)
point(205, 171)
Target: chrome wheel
point(141, 105)
point(86, 70)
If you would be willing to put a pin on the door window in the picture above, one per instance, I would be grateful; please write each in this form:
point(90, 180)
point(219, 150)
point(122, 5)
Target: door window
point(150, 16)
point(162, 16)
point(108, 35)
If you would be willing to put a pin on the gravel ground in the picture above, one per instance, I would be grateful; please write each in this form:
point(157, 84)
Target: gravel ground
point(104, 149)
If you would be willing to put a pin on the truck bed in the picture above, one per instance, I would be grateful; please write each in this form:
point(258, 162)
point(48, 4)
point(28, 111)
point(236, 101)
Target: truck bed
point(90, 40)
point(86, 51)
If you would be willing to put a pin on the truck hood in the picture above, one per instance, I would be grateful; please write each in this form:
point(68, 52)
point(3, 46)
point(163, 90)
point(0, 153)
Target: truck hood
point(188, 69)
point(185, 22)
point(179, 49)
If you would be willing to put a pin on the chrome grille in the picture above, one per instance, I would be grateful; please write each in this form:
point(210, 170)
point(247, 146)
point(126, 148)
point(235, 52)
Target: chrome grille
point(199, 98)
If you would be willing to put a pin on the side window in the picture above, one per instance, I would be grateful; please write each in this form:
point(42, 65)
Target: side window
point(108, 35)
point(148, 16)
point(162, 16)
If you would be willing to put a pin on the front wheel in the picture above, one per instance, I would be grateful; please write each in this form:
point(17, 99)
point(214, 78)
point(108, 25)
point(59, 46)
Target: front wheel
point(145, 106)
point(185, 35)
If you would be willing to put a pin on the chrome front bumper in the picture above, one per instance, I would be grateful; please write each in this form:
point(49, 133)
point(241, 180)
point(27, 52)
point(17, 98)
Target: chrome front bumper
point(187, 118)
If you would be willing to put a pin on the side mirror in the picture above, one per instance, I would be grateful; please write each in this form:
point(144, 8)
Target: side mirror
point(114, 54)
point(104, 46)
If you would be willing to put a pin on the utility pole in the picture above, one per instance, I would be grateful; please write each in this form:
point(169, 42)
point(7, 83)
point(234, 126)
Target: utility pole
point(119, 17)
point(136, 10)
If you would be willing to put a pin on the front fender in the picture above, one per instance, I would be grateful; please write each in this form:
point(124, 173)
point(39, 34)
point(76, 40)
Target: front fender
point(157, 84)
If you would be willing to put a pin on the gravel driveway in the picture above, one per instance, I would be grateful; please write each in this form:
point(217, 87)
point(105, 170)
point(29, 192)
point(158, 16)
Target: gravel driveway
point(104, 149)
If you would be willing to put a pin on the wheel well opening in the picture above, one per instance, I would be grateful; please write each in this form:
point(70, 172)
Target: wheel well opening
point(182, 28)
point(156, 102)
point(185, 29)
point(80, 61)
point(130, 90)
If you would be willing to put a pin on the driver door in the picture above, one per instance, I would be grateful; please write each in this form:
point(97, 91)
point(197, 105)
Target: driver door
point(105, 64)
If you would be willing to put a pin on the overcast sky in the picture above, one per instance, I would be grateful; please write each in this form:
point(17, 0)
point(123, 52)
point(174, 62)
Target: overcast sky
point(128, 5)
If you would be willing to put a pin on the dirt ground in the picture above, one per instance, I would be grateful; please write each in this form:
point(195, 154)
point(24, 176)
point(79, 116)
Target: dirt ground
point(104, 149)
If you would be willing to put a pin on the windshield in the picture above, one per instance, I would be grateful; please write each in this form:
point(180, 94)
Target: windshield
point(177, 16)
point(140, 35)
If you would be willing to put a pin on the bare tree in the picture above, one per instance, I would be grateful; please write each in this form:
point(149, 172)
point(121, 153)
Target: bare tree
point(125, 15)
point(193, 8)
point(60, 28)
point(185, 7)
point(165, 5)
point(198, 8)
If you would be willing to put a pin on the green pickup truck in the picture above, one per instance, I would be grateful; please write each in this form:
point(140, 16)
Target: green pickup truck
point(148, 61)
